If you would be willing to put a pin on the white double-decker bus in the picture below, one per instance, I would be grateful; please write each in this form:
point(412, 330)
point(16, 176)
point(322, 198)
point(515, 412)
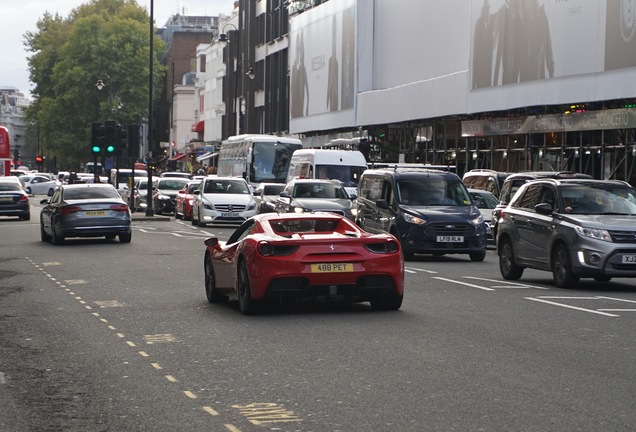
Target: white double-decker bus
point(257, 158)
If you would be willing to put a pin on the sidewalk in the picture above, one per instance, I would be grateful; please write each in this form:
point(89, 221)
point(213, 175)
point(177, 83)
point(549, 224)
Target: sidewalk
point(141, 217)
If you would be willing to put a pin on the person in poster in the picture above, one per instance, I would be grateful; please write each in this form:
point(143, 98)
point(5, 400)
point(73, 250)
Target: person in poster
point(620, 34)
point(300, 86)
point(348, 59)
point(332, 80)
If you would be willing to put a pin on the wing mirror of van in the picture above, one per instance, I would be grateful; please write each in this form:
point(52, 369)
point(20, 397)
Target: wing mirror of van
point(382, 204)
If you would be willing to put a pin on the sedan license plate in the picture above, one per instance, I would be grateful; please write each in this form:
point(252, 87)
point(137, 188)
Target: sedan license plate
point(6, 199)
point(629, 259)
point(95, 212)
point(332, 268)
point(233, 214)
point(450, 239)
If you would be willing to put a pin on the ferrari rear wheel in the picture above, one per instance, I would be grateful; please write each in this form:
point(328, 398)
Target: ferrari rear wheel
point(247, 306)
point(210, 283)
point(387, 303)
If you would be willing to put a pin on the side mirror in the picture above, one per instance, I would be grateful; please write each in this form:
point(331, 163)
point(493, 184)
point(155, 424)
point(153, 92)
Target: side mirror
point(285, 194)
point(211, 241)
point(49, 193)
point(543, 208)
point(44, 201)
point(382, 204)
point(353, 196)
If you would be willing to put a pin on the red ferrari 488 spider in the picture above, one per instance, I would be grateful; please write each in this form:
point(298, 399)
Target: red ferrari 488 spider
point(300, 257)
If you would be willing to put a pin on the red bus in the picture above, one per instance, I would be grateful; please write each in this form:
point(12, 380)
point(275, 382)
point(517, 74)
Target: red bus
point(5, 152)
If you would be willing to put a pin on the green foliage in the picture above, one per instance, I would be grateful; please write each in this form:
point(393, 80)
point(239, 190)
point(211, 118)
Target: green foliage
point(105, 40)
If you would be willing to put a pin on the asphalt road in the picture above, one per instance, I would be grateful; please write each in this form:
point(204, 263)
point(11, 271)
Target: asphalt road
point(101, 336)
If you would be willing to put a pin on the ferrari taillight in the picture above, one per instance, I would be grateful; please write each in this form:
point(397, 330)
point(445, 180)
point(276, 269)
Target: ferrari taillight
point(387, 247)
point(265, 248)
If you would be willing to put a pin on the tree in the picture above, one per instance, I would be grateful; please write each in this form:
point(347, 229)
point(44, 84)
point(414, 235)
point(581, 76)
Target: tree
point(101, 40)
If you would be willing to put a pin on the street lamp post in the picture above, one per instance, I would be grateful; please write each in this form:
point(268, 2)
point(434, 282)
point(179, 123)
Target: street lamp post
point(149, 203)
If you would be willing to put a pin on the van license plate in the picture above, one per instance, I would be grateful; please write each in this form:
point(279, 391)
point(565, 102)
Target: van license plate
point(629, 259)
point(229, 215)
point(450, 239)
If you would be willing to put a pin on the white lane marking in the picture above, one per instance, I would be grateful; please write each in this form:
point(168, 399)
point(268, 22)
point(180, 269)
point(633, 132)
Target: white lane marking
point(509, 284)
point(618, 299)
point(464, 283)
point(571, 307)
point(409, 271)
point(415, 269)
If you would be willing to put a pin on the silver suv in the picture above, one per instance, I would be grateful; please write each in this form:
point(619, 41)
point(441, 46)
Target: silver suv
point(574, 228)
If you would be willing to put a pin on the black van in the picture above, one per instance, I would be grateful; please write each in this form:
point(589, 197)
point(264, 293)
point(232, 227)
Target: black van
point(429, 211)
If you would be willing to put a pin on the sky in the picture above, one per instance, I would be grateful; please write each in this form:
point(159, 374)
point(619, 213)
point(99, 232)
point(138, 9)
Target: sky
point(21, 16)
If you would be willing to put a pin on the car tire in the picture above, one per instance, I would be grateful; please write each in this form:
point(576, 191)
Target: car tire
point(28, 190)
point(55, 238)
point(177, 215)
point(507, 266)
point(387, 303)
point(247, 306)
point(125, 238)
point(43, 235)
point(26, 217)
point(477, 256)
point(562, 268)
point(210, 283)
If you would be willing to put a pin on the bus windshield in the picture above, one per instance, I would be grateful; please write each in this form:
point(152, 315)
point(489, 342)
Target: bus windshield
point(270, 161)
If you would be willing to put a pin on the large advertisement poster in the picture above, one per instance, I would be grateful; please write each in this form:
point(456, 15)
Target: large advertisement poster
point(322, 57)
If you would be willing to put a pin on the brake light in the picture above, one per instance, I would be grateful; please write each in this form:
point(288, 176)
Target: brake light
point(69, 210)
point(502, 214)
point(24, 198)
point(119, 207)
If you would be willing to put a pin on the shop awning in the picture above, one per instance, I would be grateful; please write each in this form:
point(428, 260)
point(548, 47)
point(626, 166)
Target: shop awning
point(206, 156)
point(177, 156)
point(198, 127)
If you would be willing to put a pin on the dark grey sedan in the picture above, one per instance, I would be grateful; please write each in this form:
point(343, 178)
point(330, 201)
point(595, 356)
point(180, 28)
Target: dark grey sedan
point(85, 210)
point(305, 195)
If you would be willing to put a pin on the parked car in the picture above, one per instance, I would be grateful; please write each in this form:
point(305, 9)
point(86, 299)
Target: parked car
point(165, 190)
point(485, 202)
point(184, 199)
point(178, 174)
point(35, 184)
point(573, 228)
point(85, 210)
point(514, 181)
point(485, 179)
point(429, 211)
point(222, 200)
point(14, 201)
point(312, 195)
point(317, 256)
point(266, 195)
point(140, 194)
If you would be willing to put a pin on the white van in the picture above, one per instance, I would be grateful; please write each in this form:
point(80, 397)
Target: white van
point(344, 165)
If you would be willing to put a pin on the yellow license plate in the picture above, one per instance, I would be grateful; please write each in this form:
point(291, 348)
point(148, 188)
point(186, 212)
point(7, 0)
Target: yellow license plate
point(95, 212)
point(332, 268)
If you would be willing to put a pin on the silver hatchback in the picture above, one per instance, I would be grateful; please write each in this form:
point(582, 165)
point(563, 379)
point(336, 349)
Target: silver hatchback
point(574, 228)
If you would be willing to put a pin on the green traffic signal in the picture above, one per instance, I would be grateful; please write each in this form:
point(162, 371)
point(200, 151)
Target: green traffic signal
point(96, 149)
point(110, 148)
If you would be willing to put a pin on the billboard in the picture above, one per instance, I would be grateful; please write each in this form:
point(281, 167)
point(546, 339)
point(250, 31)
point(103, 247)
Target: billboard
point(322, 64)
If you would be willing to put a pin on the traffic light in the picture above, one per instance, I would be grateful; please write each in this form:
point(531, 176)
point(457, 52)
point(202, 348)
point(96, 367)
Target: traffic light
point(39, 160)
point(97, 138)
point(111, 133)
point(133, 139)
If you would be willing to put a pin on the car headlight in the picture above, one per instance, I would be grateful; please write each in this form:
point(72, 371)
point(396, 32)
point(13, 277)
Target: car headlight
point(414, 219)
point(354, 211)
point(163, 197)
point(252, 206)
point(598, 234)
point(478, 220)
point(299, 210)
